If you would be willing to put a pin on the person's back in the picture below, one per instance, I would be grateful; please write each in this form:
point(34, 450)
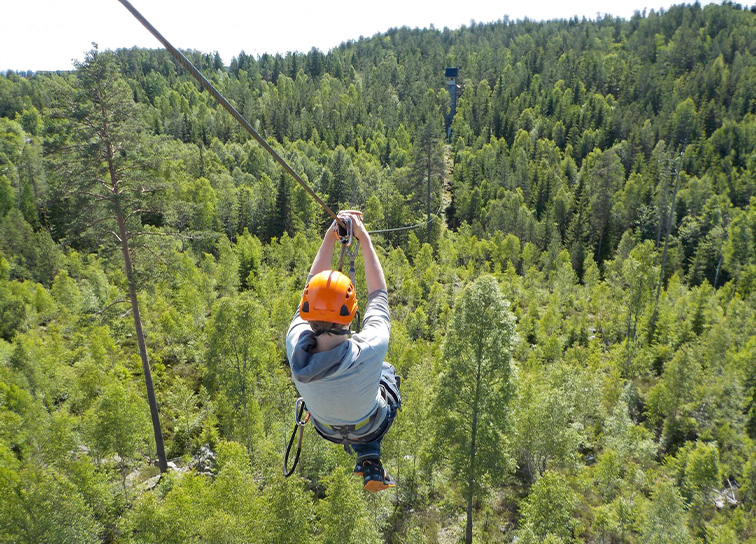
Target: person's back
point(341, 383)
point(350, 392)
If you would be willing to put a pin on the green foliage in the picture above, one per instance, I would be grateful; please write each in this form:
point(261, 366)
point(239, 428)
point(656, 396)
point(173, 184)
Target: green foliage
point(119, 422)
point(664, 517)
point(239, 351)
point(543, 430)
point(42, 506)
point(475, 389)
point(289, 520)
point(230, 508)
point(548, 510)
point(749, 483)
point(12, 311)
point(171, 515)
point(249, 252)
point(344, 513)
point(32, 255)
point(627, 414)
point(6, 196)
point(702, 470)
point(11, 142)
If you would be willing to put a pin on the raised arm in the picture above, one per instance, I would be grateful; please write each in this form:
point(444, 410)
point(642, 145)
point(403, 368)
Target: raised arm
point(324, 258)
point(374, 278)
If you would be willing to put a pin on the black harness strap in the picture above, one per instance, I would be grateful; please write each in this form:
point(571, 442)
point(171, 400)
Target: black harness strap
point(299, 423)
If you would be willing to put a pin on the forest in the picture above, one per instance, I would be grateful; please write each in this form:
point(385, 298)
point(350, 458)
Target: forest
point(593, 214)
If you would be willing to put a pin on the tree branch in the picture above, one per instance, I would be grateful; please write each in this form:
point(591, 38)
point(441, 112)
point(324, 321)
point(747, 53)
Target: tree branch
point(109, 306)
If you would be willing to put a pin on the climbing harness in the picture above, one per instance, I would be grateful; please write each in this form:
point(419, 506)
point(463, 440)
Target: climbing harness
point(347, 434)
point(299, 422)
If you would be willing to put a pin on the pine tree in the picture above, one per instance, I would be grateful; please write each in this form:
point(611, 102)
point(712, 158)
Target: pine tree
point(107, 178)
point(428, 165)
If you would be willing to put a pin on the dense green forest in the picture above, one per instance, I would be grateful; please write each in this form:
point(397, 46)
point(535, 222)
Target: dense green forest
point(596, 218)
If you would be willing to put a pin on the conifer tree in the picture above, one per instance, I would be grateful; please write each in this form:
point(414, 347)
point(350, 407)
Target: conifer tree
point(106, 176)
point(428, 165)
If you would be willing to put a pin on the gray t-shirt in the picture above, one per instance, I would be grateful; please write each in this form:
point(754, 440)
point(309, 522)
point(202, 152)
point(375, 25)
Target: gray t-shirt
point(342, 386)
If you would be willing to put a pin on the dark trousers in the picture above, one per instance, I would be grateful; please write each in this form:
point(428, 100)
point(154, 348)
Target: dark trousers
point(390, 383)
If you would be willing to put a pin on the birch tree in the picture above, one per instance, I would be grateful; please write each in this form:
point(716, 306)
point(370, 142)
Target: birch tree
point(476, 388)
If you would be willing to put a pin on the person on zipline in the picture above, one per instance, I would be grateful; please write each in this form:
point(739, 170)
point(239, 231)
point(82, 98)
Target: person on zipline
point(352, 394)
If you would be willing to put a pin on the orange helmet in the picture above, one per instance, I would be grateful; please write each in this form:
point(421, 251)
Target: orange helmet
point(329, 296)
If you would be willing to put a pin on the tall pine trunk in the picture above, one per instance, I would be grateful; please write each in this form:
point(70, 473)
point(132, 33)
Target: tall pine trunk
point(124, 240)
point(668, 228)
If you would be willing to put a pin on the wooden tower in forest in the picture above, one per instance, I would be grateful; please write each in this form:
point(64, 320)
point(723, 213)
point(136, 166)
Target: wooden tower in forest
point(454, 91)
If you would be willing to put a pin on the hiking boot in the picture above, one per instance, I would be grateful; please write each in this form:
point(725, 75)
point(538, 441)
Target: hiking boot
point(374, 476)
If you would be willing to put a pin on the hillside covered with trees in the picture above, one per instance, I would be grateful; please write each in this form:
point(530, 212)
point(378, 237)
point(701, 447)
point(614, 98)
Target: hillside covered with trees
point(576, 328)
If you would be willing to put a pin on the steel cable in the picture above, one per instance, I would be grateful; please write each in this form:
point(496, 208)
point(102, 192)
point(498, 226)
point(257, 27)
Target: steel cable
point(186, 63)
point(423, 224)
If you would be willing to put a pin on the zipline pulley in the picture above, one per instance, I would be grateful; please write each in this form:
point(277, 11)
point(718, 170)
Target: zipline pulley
point(346, 237)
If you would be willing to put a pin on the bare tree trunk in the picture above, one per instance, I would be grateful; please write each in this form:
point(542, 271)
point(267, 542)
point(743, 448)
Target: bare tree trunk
point(600, 244)
point(124, 239)
point(716, 274)
point(629, 340)
point(664, 252)
point(471, 472)
point(122, 466)
point(428, 224)
point(662, 212)
point(162, 461)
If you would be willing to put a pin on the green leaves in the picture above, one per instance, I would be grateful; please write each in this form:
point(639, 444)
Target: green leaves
point(240, 352)
point(119, 422)
point(544, 429)
point(43, 506)
point(475, 387)
point(663, 520)
point(547, 513)
point(344, 513)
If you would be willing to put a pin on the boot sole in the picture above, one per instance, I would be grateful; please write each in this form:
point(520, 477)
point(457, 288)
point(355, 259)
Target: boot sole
point(377, 485)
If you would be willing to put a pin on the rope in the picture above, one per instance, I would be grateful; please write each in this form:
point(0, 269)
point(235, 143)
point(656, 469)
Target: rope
point(299, 424)
point(186, 63)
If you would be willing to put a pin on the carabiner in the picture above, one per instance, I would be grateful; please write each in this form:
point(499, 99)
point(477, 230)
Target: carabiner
point(299, 422)
point(299, 409)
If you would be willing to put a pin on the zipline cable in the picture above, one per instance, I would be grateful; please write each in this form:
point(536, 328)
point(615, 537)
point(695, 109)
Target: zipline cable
point(423, 224)
point(186, 63)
